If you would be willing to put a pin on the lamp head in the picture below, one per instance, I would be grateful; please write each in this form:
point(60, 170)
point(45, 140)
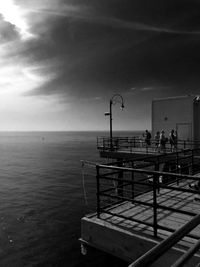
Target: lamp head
point(107, 113)
point(122, 106)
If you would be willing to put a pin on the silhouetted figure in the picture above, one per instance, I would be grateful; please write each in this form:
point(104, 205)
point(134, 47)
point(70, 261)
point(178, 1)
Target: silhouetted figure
point(175, 140)
point(148, 138)
point(157, 139)
point(172, 140)
point(162, 141)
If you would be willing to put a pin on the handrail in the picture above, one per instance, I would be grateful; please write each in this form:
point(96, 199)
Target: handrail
point(154, 187)
point(157, 157)
point(116, 184)
point(175, 175)
point(128, 138)
point(130, 143)
point(186, 256)
point(157, 251)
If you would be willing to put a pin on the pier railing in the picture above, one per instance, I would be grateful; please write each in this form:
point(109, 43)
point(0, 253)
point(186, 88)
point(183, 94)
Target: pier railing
point(118, 185)
point(185, 161)
point(136, 143)
point(156, 252)
point(140, 193)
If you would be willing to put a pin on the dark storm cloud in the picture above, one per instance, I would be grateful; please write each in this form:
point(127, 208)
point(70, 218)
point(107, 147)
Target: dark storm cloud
point(104, 46)
point(8, 31)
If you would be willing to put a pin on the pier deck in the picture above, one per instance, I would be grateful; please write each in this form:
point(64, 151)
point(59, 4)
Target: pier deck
point(115, 233)
point(128, 147)
point(142, 198)
point(166, 218)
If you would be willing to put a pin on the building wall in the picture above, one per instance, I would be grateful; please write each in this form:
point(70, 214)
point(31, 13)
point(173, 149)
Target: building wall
point(174, 113)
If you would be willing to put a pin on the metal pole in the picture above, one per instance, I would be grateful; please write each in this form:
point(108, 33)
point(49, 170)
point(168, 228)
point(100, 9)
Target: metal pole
point(155, 224)
point(98, 192)
point(177, 167)
point(120, 188)
point(192, 162)
point(111, 136)
point(157, 177)
point(132, 183)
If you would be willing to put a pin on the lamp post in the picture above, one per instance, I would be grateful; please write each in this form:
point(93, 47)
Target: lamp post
point(115, 99)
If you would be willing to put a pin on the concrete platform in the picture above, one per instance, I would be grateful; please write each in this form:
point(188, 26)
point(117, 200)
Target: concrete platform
point(129, 240)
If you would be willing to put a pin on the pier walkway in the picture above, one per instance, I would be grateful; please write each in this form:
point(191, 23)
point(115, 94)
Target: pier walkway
point(144, 196)
point(138, 207)
point(125, 147)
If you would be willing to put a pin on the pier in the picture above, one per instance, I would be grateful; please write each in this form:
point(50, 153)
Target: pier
point(144, 196)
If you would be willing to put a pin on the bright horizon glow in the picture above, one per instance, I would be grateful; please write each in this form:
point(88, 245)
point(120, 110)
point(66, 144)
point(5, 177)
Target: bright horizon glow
point(62, 61)
point(19, 112)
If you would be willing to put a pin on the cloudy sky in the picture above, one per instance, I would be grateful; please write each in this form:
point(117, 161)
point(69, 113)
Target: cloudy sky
point(62, 60)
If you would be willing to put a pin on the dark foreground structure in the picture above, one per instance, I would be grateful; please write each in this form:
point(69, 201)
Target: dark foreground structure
point(148, 204)
point(148, 198)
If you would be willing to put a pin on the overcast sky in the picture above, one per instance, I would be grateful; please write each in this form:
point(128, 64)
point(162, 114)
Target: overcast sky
point(62, 60)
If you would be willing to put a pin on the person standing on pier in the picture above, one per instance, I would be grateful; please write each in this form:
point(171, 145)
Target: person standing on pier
point(172, 140)
point(147, 138)
point(175, 140)
point(157, 138)
point(162, 141)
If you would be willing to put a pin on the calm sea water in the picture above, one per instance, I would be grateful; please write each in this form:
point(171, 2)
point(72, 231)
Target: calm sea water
point(42, 200)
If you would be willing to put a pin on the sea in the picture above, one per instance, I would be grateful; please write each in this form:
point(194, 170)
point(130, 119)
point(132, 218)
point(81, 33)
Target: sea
point(45, 190)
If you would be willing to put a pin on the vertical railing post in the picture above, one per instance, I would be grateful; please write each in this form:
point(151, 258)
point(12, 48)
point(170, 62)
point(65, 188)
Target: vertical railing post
point(157, 169)
point(192, 162)
point(111, 136)
point(177, 167)
point(103, 144)
point(120, 180)
point(155, 224)
point(98, 191)
point(132, 183)
point(131, 145)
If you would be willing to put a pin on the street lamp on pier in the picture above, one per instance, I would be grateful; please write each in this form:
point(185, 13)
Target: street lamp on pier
point(116, 98)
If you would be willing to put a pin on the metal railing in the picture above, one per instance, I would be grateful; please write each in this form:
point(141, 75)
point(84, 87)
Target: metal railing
point(156, 252)
point(184, 161)
point(117, 183)
point(136, 143)
point(108, 194)
point(127, 181)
